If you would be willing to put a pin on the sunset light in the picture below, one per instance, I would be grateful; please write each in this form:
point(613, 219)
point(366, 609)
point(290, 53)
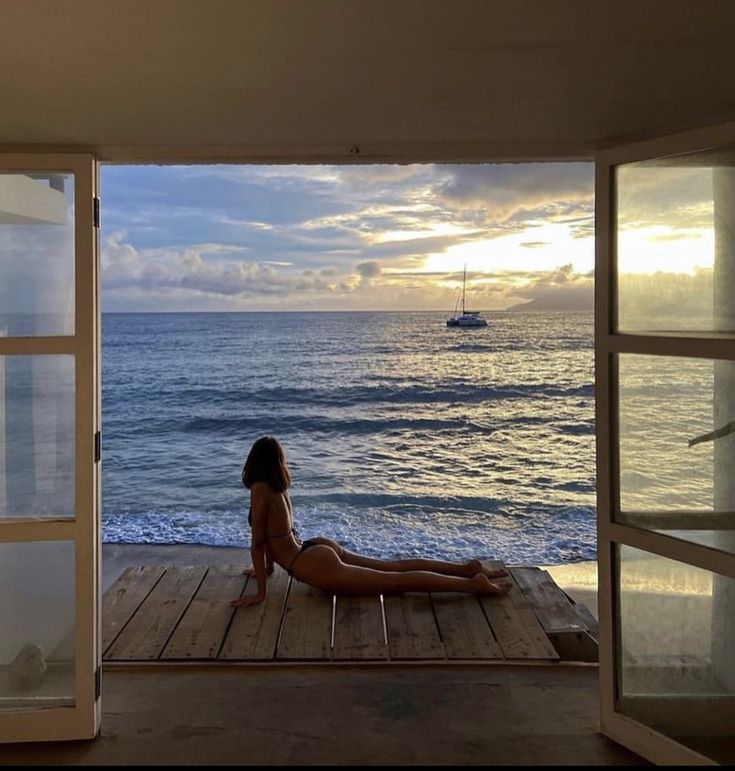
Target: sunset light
point(221, 238)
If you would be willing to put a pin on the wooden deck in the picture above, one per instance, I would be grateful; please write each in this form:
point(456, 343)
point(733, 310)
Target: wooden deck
point(171, 614)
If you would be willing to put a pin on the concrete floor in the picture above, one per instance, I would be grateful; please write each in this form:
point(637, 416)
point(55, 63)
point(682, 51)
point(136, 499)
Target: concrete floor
point(343, 716)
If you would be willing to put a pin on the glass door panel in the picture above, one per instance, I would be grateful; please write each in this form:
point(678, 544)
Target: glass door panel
point(675, 235)
point(36, 253)
point(37, 605)
point(49, 533)
point(675, 464)
point(37, 454)
point(676, 663)
point(665, 388)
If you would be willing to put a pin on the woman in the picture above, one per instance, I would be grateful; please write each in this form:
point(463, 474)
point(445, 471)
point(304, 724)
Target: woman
point(322, 562)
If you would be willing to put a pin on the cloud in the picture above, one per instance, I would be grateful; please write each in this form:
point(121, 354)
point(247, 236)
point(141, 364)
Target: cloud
point(383, 175)
point(205, 277)
point(668, 300)
point(194, 270)
point(206, 273)
point(238, 237)
point(669, 196)
point(505, 191)
point(370, 269)
point(245, 223)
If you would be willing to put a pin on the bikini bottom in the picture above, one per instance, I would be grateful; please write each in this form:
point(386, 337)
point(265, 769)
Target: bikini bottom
point(307, 544)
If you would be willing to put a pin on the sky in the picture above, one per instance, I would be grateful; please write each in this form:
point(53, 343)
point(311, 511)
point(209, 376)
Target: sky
point(368, 237)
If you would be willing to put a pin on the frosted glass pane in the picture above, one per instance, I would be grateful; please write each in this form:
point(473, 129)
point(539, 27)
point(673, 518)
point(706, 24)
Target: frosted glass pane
point(676, 244)
point(676, 664)
point(37, 436)
point(37, 609)
point(36, 254)
point(677, 447)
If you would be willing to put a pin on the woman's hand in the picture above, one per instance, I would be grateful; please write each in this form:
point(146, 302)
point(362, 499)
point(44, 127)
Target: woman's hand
point(247, 601)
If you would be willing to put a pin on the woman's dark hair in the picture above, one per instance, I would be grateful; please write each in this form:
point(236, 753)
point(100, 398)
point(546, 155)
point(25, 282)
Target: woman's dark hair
point(267, 463)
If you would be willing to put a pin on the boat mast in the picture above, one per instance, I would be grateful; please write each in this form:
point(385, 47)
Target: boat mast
point(464, 279)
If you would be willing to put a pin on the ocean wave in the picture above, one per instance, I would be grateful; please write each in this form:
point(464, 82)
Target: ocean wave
point(576, 429)
point(322, 424)
point(534, 535)
point(401, 501)
point(345, 396)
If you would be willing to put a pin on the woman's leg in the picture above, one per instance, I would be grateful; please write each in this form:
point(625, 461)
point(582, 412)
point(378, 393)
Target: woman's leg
point(321, 566)
point(466, 570)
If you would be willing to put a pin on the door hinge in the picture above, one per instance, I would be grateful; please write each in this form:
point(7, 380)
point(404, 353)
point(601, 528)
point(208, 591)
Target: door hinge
point(96, 211)
point(97, 683)
point(97, 446)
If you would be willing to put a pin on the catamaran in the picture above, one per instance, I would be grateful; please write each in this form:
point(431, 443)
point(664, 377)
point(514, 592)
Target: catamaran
point(467, 318)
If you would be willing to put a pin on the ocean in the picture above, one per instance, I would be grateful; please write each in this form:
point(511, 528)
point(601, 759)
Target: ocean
point(404, 437)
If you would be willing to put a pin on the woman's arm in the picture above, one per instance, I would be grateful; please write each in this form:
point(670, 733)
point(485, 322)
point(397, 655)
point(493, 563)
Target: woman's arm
point(257, 554)
point(268, 559)
point(268, 563)
point(259, 510)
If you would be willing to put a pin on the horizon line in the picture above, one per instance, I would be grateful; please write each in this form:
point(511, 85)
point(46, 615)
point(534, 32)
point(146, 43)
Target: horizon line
point(362, 310)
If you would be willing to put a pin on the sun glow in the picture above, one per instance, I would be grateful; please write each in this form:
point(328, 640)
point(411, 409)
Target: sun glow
point(662, 249)
point(542, 247)
point(432, 231)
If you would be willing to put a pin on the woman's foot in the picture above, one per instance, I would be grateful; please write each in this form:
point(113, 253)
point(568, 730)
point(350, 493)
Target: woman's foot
point(485, 587)
point(475, 567)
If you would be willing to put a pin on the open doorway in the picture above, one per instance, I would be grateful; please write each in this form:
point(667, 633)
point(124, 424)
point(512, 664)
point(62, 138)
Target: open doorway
point(312, 303)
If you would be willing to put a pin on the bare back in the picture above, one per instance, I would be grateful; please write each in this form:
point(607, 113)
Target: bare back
point(272, 523)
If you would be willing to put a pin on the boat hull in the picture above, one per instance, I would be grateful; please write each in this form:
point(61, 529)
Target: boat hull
point(466, 322)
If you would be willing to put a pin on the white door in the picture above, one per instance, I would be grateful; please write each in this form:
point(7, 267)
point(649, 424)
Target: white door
point(49, 448)
point(665, 386)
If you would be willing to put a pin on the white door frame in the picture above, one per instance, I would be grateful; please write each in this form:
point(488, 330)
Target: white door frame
point(81, 721)
point(631, 733)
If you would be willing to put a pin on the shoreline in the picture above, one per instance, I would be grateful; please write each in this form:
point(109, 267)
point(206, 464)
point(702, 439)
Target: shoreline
point(577, 579)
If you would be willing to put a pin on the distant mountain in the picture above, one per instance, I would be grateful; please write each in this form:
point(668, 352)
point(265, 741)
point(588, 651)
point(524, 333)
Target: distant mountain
point(564, 302)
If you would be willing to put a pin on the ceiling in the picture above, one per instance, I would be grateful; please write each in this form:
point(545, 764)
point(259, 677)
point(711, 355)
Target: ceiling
point(300, 79)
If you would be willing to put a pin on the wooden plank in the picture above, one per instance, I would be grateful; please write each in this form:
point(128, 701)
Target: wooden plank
point(149, 629)
point(253, 634)
point(358, 630)
point(202, 629)
point(123, 598)
point(551, 606)
point(463, 627)
point(412, 630)
point(307, 624)
point(575, 646)
point(564, 625)
point(588, 618)
point(515, 625)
